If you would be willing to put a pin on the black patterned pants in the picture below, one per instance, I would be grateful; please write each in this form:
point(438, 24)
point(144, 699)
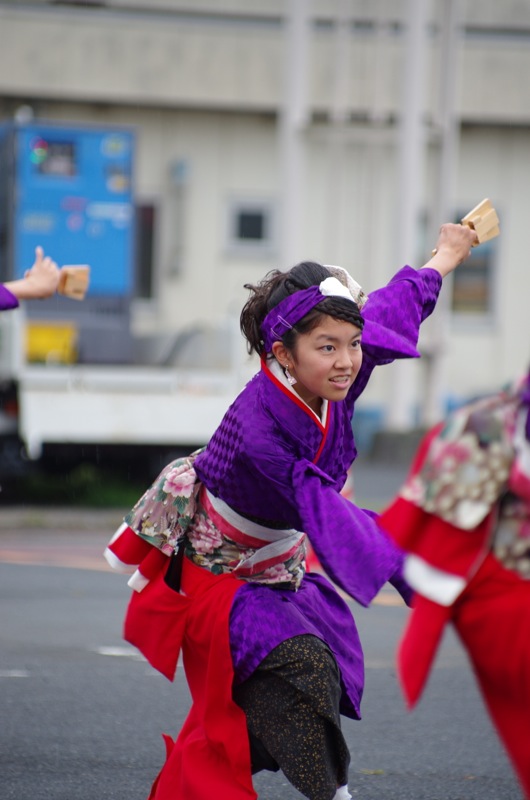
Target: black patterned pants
point(291, 703)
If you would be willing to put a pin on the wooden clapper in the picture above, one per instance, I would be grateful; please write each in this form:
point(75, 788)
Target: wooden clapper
point(483, 220)
point(74, 281)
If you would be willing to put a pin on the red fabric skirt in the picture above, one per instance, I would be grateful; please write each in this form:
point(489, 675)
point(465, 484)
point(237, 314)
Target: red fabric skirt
point(492, 618)
point(211, 756)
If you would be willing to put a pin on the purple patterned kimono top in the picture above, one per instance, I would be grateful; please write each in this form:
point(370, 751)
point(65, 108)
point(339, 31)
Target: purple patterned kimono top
point(273, 461)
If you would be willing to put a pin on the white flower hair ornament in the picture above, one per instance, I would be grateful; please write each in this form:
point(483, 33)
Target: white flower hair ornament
point(355, 289)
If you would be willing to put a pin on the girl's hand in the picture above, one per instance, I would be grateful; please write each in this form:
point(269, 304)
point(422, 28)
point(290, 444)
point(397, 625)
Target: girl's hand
point(453, 246)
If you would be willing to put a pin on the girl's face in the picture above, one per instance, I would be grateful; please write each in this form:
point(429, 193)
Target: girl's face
point(325, 361)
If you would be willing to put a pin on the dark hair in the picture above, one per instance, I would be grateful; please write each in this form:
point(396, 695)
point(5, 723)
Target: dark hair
point(274, 288)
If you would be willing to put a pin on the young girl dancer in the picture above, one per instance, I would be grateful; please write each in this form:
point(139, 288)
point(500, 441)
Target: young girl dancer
point(272, 655)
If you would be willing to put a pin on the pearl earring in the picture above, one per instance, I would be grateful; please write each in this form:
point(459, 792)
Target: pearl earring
point(291, 380)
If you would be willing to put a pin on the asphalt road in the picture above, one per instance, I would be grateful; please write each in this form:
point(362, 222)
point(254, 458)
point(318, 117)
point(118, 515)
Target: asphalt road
point(81, 712)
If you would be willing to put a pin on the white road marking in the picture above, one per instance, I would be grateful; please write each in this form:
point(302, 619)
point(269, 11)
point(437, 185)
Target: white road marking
point(14, 673)
point(120, 652)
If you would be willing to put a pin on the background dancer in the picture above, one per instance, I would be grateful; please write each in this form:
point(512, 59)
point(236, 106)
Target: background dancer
point(464, 516)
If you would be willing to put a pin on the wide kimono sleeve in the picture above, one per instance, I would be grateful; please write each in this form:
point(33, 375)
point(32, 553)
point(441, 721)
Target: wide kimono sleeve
point(394, 313)
point(7, 299)
point(353, 551)
point(392, 319)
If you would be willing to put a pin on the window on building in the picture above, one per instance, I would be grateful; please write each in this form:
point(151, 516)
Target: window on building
point(145, 236)
point(251, 226)
point(473, 283)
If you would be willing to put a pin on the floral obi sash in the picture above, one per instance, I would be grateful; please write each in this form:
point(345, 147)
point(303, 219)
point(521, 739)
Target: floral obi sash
point(178, 511)
point(477, 466)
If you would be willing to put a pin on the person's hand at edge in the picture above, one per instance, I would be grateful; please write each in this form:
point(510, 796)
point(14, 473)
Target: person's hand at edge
point(38, 282)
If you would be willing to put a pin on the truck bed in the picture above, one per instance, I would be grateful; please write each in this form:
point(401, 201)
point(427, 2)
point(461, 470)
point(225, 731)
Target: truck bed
point(113, 405)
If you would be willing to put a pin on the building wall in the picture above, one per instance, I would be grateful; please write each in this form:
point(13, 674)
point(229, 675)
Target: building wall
point(163, 54)
point(204, 89)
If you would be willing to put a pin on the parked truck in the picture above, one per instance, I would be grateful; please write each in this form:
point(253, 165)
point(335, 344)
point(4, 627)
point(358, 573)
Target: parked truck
point(72, 373)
